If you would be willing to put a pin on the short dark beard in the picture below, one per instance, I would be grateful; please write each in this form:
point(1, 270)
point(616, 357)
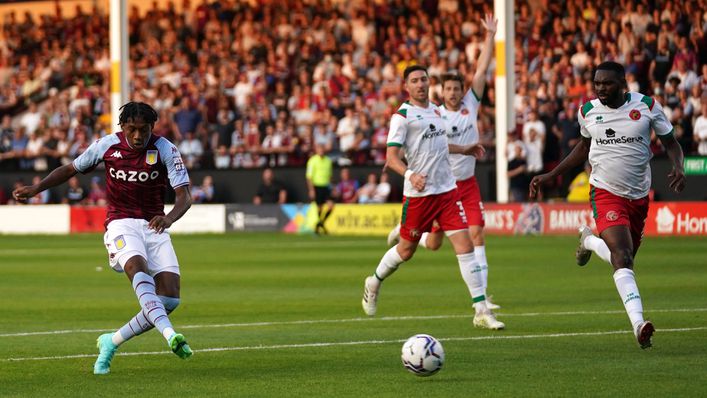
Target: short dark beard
point(614, 102)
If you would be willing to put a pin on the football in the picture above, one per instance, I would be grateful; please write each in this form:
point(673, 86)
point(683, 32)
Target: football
point(423, 355)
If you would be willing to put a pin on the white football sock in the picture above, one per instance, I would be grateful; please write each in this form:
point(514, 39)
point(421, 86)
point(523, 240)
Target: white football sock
point(423, 239)
point(598, 246)
point(628, 291)
point(389, 264)
point(471, 273)
point(151, 305)
point(480, 253)
point(140, 324)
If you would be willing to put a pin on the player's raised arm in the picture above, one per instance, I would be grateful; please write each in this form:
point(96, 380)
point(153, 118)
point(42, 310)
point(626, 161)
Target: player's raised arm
point(57, 177)
point(482, 64)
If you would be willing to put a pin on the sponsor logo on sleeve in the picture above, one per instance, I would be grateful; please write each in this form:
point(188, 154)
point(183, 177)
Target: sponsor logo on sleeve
point(178, 163)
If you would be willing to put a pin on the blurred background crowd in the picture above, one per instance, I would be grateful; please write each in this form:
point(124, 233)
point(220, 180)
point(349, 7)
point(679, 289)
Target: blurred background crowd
point(242, 84)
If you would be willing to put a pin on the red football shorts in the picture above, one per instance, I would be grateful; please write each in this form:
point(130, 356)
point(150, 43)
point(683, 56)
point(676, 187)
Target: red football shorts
point(610, 210)
point(419, 214)
point(471, 199)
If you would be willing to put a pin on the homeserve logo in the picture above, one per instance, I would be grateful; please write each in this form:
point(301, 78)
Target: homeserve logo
point(666, 223)
point(456, 132)
point(611, 140)
point(434, 132)
point(664, 220)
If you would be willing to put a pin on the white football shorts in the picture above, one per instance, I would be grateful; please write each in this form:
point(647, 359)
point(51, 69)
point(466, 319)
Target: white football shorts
point(130, 237)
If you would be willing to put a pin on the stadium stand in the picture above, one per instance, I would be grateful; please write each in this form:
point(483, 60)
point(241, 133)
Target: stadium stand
point(243, 86)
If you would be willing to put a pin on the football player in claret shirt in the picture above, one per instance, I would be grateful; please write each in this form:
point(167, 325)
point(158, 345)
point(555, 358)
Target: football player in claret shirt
point(138, 165)
point(616, 134)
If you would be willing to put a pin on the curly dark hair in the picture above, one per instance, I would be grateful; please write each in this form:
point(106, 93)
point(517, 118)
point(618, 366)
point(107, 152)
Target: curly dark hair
point(137, 110)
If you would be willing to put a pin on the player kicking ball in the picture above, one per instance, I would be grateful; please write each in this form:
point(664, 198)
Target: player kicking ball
point(616, 134)
point(460, 113)
point(138, 167)
point(430, 193)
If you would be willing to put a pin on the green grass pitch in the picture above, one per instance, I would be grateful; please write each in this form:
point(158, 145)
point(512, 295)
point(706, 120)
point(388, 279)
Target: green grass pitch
point(272, 315)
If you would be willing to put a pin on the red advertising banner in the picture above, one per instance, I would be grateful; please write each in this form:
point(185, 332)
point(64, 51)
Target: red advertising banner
point(87, 218)
point(664, 218)
point(677, 218)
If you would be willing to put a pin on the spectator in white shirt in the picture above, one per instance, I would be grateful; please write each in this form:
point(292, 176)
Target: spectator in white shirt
point(700, 131)
point(534, 140)
point(191, 150)
point(31, 119)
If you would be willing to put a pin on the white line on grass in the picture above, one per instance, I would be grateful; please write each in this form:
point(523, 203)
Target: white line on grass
point(349, 320)
point(354, 343)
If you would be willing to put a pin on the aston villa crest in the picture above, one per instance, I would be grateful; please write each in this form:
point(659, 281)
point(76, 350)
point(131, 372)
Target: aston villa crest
point(151, 157)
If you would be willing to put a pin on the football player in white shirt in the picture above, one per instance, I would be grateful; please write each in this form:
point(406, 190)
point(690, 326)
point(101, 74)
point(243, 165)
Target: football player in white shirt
point(616, 130)
point(430, 192)
point(460, 113)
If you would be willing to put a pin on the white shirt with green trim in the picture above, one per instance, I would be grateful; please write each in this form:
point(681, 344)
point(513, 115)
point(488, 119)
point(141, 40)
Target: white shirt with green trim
point(421, 133)
point(620, 151)
point(462, 130)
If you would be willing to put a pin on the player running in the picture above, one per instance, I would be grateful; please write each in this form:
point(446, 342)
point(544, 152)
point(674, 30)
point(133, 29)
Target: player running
point(616, 135)
point(460, 113)
point(138, 166)
point(430, 193)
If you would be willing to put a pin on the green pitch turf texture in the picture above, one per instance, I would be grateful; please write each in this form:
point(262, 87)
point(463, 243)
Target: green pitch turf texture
point(278, 316)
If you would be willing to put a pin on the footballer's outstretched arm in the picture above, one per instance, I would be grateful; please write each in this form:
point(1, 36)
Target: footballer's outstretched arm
point(478, 82)
point(182, 203)
point(676, 178)
point(578, 156)
point(57, 177)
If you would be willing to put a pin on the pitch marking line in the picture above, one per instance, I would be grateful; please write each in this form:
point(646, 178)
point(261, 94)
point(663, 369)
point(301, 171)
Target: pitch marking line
point(355, 343)
point(350, 320)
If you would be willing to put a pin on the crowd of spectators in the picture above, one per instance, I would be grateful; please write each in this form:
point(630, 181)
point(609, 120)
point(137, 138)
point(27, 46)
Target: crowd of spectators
point(239, 85)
